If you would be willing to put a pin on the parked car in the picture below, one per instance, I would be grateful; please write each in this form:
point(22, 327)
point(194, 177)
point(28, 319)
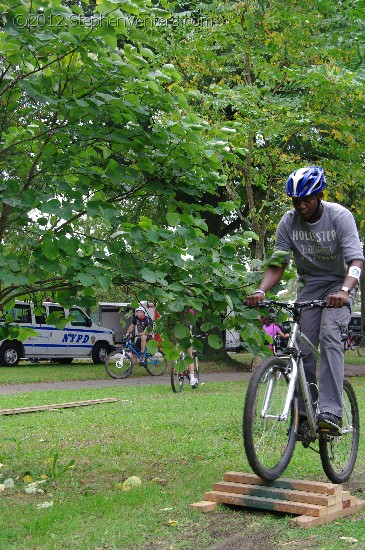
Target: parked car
point(80, 338)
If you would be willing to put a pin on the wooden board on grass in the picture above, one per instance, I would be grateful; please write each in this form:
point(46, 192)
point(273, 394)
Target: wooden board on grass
point(19, 410)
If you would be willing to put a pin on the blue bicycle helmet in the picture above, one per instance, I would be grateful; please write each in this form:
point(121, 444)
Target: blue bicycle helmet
point(305, 181)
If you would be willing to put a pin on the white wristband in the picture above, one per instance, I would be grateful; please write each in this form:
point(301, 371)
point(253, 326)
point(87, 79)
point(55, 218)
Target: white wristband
point(355, 271)
point(260, 292)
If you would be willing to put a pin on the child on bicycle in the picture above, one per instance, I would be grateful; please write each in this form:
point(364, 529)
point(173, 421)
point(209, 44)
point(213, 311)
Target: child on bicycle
point(328, 255)
point(141, 321)
point(272, 329)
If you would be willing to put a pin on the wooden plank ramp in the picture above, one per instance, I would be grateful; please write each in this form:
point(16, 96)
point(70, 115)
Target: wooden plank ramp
point(315, 503)
point(20, 410)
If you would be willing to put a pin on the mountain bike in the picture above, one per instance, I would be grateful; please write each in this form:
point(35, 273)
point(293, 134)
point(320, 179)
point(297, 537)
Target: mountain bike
point(179, 372)
point(119, 363)
point(270, 420)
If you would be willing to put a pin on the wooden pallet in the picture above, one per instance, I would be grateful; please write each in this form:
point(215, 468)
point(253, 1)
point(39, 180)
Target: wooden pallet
point(20, 410)
point(313, 502)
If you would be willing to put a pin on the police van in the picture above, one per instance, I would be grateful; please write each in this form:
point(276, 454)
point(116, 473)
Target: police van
point(80, 338)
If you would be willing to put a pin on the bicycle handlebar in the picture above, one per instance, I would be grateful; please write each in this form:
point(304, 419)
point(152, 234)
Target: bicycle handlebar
point(291, 305)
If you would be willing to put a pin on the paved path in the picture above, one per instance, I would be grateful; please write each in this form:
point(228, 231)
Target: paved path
point(350, 370)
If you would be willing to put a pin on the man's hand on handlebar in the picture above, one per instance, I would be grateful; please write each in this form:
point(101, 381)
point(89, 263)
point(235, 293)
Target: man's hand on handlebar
point(337, 299)
point(255, 299)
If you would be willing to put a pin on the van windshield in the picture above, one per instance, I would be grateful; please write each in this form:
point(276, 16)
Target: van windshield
point(79, 319)
point(20, 312)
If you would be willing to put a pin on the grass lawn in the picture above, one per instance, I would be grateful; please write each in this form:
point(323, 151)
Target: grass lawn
point(178, 445)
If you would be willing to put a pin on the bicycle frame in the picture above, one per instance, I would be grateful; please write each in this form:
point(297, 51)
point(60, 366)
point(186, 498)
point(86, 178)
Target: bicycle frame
point(297, 370)
point(128, 345)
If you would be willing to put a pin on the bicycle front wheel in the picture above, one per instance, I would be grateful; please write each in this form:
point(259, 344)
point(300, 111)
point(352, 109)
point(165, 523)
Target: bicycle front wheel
point(118, 364)
point(269, 441)
point(338, 453)
point(156, 364)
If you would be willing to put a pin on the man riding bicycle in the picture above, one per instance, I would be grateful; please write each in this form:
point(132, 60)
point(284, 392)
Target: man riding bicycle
point(328, 255)
point(142, 321)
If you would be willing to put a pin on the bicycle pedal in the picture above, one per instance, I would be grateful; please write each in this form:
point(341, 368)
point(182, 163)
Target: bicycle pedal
point(335, 431)
point(331, 431)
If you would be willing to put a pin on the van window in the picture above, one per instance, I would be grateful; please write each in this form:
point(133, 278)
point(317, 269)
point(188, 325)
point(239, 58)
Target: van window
point(21, 314)
point(79, 318)
point(52, 309)
point(40, 315)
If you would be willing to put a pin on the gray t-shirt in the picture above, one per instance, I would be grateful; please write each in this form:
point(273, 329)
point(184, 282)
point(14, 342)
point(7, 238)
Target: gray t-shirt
point(322, 249)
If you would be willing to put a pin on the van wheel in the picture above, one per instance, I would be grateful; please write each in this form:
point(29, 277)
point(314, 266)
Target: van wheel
point(100, 352)
point(9, 354)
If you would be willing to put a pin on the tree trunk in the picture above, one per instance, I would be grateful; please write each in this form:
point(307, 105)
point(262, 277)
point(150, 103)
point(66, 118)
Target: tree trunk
point(211, 354)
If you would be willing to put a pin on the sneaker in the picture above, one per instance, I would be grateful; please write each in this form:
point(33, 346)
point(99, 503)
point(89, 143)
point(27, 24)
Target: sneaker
point(329, 421)
point(142, 361)
point(194, 382)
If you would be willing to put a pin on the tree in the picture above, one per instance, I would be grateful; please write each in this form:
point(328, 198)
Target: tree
point(91, 121)
point(283, 82)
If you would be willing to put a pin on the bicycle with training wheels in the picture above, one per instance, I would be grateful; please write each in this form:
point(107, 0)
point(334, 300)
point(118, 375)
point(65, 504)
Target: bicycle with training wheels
point(179, 371)
point(270, 420)
point(119, 363)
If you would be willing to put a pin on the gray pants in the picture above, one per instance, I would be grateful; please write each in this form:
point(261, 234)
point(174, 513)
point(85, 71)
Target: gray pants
point(322, 326)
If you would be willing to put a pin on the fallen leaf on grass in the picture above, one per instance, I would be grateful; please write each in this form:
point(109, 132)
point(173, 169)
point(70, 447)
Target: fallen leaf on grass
point(27, 479)
point(173, 522)
point(43, 505)
point(9, 483)
point(33, 488)
point(349, 539)
point(129, 483)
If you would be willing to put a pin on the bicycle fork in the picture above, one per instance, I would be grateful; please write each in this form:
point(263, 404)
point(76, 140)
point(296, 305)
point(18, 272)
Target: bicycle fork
point(275, 376)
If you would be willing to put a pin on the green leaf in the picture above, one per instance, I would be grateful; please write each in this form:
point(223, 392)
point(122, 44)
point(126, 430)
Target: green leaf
point(181, 331)
point(85, 279)
point(50, 248)
point(214, 341)
point(128, 7)
point(173, 218)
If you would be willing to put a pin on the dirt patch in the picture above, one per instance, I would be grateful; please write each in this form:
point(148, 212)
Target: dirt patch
point(236, 529)
point(246, 541)
point(356, 484)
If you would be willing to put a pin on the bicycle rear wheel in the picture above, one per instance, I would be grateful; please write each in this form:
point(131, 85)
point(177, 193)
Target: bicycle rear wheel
point(118, 363)
point(361, 346)
point(196, 370)
point(177, 377)
point(156, 364)
point(338, 453)
point(269, 442)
